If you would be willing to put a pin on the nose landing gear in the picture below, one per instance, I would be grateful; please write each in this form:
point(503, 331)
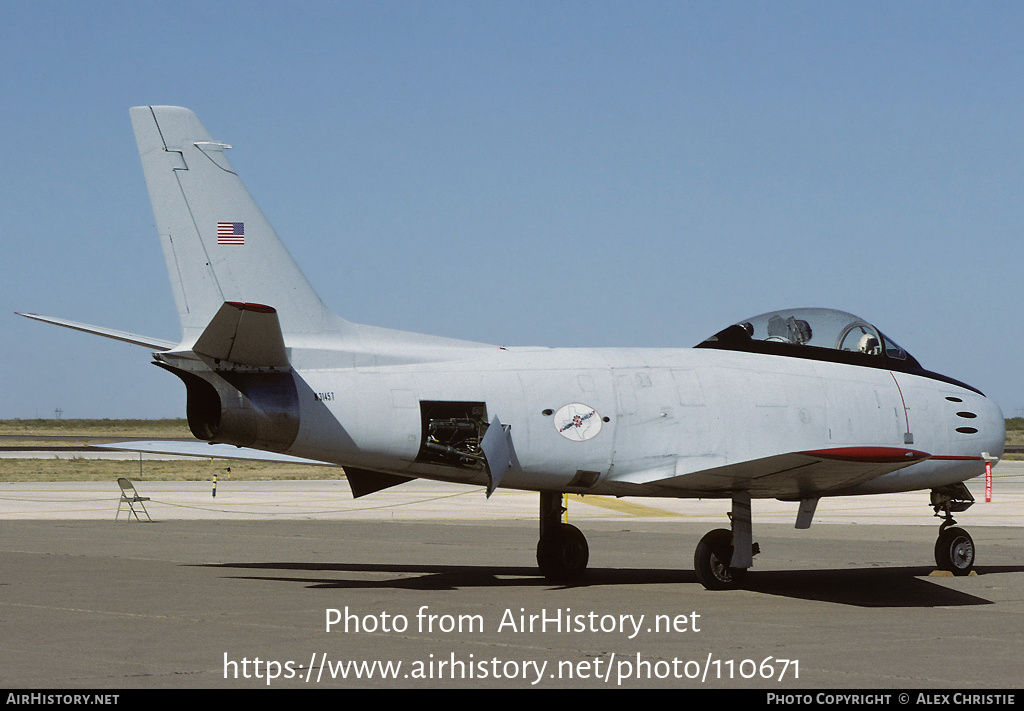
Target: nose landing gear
point(954, 549)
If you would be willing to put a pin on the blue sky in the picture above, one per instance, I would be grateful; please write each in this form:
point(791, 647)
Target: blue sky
point(526, 173)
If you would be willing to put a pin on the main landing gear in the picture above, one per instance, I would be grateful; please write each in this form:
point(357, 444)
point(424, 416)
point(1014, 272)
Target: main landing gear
point(562, 552)
point(954, 548)
point(712, 559)
point(723, 557)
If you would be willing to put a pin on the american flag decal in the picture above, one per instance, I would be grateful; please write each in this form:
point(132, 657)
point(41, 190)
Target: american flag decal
point(230, 233)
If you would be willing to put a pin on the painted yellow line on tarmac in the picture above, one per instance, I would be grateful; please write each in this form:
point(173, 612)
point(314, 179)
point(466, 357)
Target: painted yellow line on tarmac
point(624, 507)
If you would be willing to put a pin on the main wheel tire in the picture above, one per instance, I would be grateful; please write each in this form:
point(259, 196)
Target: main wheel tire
point(563, 554)
point(954, 551)
point(711, 561)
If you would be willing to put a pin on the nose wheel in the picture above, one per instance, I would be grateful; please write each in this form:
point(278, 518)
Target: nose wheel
point(954, 548)
point(954, 551)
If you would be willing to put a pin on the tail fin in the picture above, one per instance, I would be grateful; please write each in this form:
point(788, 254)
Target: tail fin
point(218, 245)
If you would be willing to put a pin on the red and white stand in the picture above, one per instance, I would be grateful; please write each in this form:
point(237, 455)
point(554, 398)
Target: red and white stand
point(988, 482)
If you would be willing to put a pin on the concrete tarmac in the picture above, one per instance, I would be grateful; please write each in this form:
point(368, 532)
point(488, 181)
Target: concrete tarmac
point(288, 584)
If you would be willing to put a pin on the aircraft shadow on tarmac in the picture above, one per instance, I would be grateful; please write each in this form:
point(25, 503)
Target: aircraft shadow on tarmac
point(860, 587)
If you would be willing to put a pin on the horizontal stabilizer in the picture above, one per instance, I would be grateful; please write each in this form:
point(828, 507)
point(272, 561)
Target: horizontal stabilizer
point(244, 334)
point(155, 344)
point(191, 448)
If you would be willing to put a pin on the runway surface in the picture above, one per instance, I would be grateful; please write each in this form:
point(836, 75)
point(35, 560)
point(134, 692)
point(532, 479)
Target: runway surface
point(438, 587)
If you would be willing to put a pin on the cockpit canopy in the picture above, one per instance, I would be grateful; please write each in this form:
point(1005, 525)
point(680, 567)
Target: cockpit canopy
point(802, 332)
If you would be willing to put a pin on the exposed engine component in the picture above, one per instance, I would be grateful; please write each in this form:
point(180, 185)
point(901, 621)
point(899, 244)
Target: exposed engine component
point(452, 432)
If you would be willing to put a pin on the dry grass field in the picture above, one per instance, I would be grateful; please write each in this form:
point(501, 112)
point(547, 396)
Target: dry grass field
point(72, 465)
point(68, 433)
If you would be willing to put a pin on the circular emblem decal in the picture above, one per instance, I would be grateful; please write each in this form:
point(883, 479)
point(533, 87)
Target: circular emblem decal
point(577, 422)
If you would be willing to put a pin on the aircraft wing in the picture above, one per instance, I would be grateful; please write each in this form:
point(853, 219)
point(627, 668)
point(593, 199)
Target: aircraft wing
point(156, 344)
point(793, 475)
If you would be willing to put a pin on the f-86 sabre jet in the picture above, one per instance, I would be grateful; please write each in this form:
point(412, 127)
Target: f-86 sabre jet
point(794, 404)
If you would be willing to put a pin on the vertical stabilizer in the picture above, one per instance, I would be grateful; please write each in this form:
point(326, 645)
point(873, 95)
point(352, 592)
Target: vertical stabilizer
point(218, 245)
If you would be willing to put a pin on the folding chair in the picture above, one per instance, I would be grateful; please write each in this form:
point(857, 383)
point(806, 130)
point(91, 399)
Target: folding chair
point(131, 497)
